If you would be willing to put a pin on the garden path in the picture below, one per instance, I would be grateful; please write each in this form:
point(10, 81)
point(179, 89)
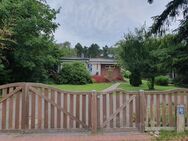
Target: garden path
point(111, 88)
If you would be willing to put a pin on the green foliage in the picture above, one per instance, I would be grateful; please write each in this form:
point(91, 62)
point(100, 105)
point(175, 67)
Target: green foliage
point(162, 80)
point(151, 61)
point(174, 58)
point(150, 85)
point(177, 52)
point(4, 74)
point(66, 50)
point(173, 9)
point(79, 49)
point(93, 51)
point(171, 135)
point(85, 51)
point(105, 51)
point(127, 74)
point(180, 63)
point(132, 53)
point(33, 55)
point(135, 78)
point(138, 51)
point(74, 73)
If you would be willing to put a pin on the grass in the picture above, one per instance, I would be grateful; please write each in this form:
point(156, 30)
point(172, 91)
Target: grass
point(101, 86)
point(126, 86)
point(171, 135)
point(87, 87)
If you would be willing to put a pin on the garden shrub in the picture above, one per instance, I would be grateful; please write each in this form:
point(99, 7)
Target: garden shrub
point(162, 80)
point(4, 74)
point(135, 78)
point(74, 73)
point(181, 81)
point(127, 74)
point(149, 84)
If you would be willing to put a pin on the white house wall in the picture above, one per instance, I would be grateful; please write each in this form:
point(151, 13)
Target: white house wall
point(96, 68)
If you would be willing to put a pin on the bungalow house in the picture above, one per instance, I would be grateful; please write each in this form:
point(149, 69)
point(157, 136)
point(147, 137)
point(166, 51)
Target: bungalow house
point(106, 68)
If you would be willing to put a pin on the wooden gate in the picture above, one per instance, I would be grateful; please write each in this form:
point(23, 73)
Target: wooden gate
point(26, 106)
point(119, 111)
point(34, 106)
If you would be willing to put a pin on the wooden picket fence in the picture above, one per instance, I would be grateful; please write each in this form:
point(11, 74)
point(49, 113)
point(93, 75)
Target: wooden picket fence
point(39, 107)
point(161, 109)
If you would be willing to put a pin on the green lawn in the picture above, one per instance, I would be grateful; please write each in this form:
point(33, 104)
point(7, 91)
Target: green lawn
point(101, 86)
point(88, 87)
point(171, 135)
point(126, 86)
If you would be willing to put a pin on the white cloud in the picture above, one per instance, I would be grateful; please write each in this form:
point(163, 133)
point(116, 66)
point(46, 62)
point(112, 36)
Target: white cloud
point(102, 21)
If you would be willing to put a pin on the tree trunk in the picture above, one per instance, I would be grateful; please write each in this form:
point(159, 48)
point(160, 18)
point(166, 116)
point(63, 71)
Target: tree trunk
point(152, 83)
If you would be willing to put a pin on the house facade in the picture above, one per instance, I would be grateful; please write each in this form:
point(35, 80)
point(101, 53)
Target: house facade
point(107, 68)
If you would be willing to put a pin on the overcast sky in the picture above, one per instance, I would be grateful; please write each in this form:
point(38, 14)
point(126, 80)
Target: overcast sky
point(102, 21)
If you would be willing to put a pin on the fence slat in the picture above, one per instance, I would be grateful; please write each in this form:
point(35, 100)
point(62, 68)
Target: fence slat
point(158, 111)
point(46, 109)
point(124, 111)
point(121, 113)
point(151, 110)
point(113, 106)
point(98, 111)
point(40, 110)
point(4, 109)
point(164, 111)
point(107, 108)
point(137, 111)
point(175, 105)
point(117, 106)
point(142, 110)
point(89, 107)
point(127, 112)
point(147, 111)
point(52, 118)
point(24, 106)
point(26, 114)
point(10, 108)
point(170, 110)
point(84, 108)
point(17, 116)
point(104, 108)
point(33, 99)
point(77, 109)
point(71, 110)
point(58, 111)
point(94, 112)
point(101, 110)
point(111, 109)
point(65, 108)
point(131, 112)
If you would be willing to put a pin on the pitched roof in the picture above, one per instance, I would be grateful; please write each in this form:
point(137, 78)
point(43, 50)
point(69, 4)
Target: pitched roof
point(90, 60)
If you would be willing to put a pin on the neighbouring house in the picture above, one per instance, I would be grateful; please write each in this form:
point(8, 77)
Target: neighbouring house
point(107, 69)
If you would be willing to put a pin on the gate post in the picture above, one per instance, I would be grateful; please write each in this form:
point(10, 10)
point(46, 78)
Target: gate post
point(94, 111)
point(142, 110)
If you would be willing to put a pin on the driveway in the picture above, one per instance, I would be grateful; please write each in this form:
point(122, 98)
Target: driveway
point(74, 137)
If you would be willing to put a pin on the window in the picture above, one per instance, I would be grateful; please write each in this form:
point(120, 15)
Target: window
point(109, 66)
